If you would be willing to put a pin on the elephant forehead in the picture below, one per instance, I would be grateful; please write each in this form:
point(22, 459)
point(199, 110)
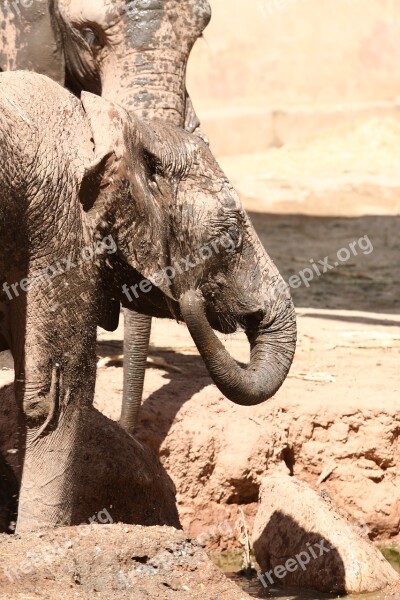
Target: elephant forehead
point(193, 14)
point(147, 21)
point(152, 22)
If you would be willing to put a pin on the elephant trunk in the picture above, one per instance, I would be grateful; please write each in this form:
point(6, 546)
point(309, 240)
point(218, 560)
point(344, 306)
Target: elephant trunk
point(272, 349)
point(136, 348)
point(152, 84)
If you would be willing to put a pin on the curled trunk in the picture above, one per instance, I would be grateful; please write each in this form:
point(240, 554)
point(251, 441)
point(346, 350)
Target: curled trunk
point(272, 349)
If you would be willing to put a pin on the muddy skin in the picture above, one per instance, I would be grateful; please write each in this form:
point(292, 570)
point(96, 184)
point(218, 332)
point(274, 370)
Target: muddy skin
point(134, 53)
point(159, 194)
point(190, 206)
point(50, 328)
point(28, 40)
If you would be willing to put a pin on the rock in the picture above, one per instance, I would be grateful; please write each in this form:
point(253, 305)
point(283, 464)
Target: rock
point(115, 472)
point(300, 539)
point(110, 562)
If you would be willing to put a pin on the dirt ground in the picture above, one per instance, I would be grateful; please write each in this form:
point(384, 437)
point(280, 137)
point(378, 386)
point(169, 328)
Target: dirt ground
point(110, 562)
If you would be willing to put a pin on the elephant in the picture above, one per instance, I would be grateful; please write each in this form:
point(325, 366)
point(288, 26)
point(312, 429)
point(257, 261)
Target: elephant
point(133, 52)
point(98, 209)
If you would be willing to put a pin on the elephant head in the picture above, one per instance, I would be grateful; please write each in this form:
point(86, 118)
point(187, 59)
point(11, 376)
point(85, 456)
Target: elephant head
point(168, 201)
point(133, 52)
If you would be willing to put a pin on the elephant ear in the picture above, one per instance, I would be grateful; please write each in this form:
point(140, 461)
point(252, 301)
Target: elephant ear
point(112, 130)
point(106, 124)
point(106, 121)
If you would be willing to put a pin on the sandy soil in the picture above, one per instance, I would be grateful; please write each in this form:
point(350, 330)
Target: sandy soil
point(110, 562)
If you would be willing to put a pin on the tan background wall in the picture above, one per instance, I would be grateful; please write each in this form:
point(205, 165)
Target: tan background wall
point(260, 56)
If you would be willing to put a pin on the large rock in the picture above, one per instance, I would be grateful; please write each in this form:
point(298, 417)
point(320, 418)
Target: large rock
point(110, 562)
point(300, 539)
point(114, 472)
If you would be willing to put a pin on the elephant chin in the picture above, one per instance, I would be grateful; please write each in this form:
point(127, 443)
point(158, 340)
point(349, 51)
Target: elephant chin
point(272, 350)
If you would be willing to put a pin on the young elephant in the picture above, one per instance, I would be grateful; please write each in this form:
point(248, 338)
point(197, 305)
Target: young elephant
point(100, 209)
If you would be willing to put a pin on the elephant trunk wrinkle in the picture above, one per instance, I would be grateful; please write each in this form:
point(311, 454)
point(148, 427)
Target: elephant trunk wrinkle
point(136, 347)
point(149, 83)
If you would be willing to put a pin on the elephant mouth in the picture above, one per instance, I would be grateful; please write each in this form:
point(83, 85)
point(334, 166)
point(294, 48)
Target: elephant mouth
point(223, 323)
point(228, 323)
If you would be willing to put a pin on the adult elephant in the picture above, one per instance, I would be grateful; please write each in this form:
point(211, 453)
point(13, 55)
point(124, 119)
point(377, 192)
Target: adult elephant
point(133, 52)
point(173, 240)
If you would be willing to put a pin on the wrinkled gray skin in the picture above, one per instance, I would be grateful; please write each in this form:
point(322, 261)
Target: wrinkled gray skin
point(96, 171)
point(133, 52)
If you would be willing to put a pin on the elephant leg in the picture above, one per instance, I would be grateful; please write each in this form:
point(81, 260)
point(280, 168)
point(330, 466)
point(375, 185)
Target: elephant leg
point(136, 347)
point(47, 493)
point(55, 370)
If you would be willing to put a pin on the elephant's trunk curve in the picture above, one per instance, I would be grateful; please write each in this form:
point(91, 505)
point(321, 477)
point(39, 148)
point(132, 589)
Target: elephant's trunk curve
point(272, 350)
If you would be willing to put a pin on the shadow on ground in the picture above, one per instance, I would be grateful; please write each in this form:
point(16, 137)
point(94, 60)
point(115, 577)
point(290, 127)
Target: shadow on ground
point(284, 539)
point(155, 421)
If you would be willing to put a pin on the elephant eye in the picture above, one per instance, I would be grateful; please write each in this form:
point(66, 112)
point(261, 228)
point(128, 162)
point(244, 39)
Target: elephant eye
point(92, 38)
